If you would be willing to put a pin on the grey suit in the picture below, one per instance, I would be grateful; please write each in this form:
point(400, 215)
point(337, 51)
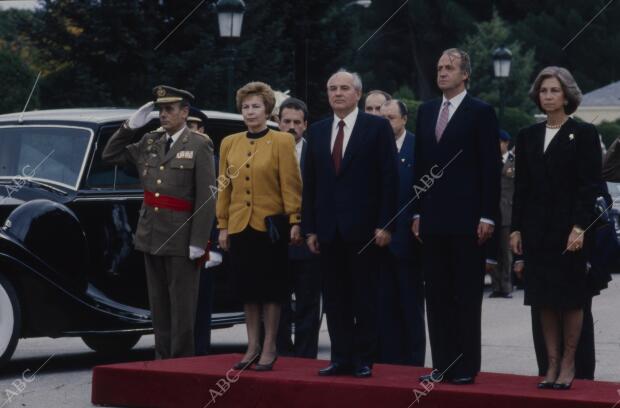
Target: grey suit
point(186, 175)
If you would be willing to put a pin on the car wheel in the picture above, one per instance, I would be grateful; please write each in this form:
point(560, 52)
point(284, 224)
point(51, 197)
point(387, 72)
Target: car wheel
point(111, 343)
point(10, 320)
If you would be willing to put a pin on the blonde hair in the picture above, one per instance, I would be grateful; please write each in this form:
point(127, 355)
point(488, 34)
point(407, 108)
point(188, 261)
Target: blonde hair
point(259, 89)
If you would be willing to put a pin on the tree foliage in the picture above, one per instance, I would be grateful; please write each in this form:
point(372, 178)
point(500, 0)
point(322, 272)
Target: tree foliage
point(105, 52)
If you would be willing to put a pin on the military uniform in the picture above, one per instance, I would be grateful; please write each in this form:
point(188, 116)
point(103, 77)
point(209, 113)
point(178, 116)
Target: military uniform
point(177, 212)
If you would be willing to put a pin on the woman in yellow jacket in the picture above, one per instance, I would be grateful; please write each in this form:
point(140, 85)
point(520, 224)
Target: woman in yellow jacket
point(259, 177)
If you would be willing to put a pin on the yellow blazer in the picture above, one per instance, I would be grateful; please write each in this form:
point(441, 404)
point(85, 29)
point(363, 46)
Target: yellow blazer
point(257, 178)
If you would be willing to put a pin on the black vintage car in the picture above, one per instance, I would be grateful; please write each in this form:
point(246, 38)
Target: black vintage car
point(67, 262)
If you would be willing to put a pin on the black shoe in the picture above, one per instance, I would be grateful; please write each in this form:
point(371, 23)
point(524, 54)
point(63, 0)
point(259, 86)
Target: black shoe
point(545, 385)
point(562, 386)
point(506, 295)
point(496, 294)
point(266, 367)
point(363, 372)
point(242, 365)
point(432, 377)
point(335, 369)
point(462, 380)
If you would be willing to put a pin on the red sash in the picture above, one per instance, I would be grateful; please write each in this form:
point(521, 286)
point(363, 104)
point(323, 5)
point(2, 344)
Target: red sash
point(167, 202)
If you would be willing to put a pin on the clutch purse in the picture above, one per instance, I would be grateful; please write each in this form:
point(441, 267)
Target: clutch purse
point(277, 227)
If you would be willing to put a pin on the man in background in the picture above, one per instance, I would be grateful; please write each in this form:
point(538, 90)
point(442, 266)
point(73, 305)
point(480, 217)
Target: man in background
point(402, 334)
point(304, 267)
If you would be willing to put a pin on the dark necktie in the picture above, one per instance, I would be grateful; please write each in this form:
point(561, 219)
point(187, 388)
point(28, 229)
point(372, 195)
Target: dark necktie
point(168, 144)
point(337, 150)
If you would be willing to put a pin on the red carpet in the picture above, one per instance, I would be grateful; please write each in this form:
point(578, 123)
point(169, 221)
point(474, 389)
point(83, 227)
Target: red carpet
point(200, 382)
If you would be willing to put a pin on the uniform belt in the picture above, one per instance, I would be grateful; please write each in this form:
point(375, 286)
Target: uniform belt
point(168, 202)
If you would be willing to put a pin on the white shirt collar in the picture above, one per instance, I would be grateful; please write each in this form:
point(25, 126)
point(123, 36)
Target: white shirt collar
point(401, 140)
point(349, 120)
point(456, 100)
point(176, 135)
point(298, 147)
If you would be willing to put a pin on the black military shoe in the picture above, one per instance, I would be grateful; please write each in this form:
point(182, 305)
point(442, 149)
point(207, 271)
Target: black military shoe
point(335, 369)
point(363, 372)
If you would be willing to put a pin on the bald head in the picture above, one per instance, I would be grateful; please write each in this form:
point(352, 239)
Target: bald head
point(344, 90)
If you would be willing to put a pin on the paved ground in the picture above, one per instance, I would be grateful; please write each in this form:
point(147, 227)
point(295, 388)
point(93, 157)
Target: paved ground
point(65, 380)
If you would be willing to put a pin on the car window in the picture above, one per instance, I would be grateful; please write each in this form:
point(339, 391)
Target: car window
point(106, 176)
point(217, 129)
point(47, 153)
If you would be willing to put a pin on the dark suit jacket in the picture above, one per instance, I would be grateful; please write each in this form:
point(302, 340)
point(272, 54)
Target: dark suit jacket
point(469, 187)
point(302, 251)
point(363, 196)
point(557, 189)
point(402, 238)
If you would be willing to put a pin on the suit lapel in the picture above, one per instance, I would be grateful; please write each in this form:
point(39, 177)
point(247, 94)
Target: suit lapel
point(406, 151)
point(459, 114)
point(302, 157)
point(355, 141)
point(323, 141)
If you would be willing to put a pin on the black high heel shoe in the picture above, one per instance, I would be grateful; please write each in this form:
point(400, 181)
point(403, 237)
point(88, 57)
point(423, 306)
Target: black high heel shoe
point(242, 365)
point(545, 385)
point(563, 386)
point(266, 367)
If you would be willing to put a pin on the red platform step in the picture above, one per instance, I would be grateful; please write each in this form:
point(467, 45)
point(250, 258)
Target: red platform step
point(202, 382)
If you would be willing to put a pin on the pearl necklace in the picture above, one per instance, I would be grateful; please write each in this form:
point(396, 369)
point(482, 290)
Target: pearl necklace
point(548, 126)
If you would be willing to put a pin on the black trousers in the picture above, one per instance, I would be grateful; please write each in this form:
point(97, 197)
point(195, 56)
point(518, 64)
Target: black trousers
point(585, 361)
point(350, 290)
point(202, 329)
point(306, 316)
point(453, 268)
point(402, 333)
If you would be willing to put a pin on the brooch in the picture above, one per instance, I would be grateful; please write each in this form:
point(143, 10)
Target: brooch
point(571, 136)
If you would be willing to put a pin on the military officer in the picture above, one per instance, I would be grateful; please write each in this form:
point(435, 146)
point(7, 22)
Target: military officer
point(197, 120)
point(177, 173)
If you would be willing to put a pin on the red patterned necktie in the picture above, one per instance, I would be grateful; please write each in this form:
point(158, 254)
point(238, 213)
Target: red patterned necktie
point(337, 150)
point(442, 121)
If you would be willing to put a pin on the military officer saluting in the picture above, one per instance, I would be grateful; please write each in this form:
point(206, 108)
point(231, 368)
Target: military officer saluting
point(177, 173)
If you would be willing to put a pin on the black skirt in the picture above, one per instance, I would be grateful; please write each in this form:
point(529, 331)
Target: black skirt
point(556, 278)
point(259, 267)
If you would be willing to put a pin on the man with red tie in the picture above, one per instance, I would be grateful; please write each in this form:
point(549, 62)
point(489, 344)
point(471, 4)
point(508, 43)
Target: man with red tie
point(349, 202)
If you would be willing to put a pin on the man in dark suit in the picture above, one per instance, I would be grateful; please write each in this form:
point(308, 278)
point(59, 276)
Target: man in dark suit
point(304, 267)
point(402, 334)
point(457, 167)
point(349, 200)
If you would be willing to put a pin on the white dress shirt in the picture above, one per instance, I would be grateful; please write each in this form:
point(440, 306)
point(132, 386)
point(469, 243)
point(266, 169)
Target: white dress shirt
point(454, 103)
point(298, 146)
point(349, 122)
point(401, 140)
point(175, 136)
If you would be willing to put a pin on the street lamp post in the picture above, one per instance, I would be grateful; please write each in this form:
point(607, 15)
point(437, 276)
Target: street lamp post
point(230, 19)
point(502, 59)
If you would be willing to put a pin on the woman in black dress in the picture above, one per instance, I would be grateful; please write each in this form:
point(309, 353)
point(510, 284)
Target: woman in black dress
point(557, 176)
